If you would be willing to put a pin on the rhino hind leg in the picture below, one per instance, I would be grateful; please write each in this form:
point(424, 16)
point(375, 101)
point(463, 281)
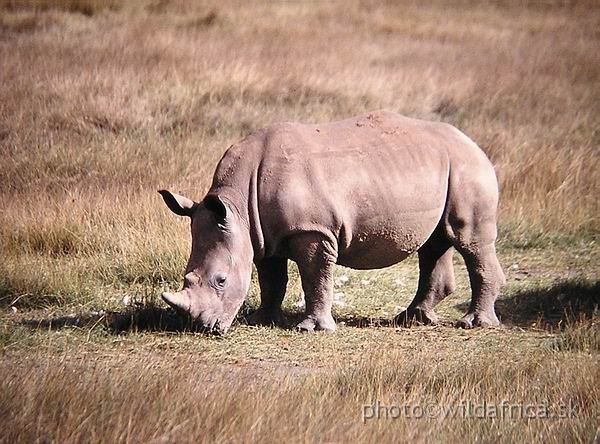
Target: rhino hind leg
point(472, 230)
point(315, 257)
point(272, 279)
point(486, 278)
point(436, 281)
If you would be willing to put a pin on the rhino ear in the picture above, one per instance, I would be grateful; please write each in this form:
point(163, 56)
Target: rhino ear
point(179, 205)
point(213, 203)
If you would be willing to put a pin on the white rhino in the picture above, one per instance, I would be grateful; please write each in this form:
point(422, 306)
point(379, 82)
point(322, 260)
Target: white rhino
point(364, 193)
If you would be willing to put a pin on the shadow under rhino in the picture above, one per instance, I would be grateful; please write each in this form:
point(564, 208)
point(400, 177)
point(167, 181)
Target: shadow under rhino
point(553, 306)
point(143, 318)
point(158, 319)
point(154, 319)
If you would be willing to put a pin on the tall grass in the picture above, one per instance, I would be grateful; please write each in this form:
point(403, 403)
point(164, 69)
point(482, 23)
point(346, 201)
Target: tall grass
point(86, 7)
point(185, 400)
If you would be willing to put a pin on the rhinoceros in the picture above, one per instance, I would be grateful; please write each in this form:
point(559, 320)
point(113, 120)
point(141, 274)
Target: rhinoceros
point(364, 193)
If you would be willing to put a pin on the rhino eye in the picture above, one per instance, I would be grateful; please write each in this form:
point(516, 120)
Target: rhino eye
point(220, 281)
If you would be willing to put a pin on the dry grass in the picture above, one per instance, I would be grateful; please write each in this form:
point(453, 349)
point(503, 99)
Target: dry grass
point(159, 393)
point(86, 7)
point(102, 102)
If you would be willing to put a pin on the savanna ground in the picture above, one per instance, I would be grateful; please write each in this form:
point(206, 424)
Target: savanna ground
point(103, 102)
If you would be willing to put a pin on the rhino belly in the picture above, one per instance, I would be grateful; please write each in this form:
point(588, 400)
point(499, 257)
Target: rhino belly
point(381, 241)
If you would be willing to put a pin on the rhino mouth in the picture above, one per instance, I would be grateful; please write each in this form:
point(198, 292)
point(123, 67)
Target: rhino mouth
point(214, 327)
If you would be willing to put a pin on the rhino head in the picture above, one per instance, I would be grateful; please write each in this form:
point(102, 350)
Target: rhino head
point(218, 272)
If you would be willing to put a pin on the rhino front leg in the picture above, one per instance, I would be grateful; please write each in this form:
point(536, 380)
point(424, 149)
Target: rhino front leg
point(272, 278)
point(316, 259)
point(436, 281)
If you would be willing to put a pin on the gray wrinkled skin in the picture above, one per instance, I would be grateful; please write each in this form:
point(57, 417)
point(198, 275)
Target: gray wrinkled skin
point(364, 193)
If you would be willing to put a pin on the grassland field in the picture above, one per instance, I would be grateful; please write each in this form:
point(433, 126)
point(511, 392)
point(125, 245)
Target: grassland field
point(102, 102)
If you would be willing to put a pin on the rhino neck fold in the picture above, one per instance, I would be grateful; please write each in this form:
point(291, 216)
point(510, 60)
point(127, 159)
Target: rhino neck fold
point(255, 227)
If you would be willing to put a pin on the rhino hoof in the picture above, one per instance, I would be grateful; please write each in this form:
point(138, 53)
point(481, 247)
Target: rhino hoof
point(412, 316)
point(267, 317)
point(471, 320)
point(311, 324)
point(464, 322)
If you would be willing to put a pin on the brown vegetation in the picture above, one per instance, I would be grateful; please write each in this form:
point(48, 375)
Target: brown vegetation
point(104, 101)
point(138, 396)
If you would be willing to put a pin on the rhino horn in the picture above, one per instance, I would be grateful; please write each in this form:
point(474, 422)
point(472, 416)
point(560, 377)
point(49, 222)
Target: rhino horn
point(179, 300)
